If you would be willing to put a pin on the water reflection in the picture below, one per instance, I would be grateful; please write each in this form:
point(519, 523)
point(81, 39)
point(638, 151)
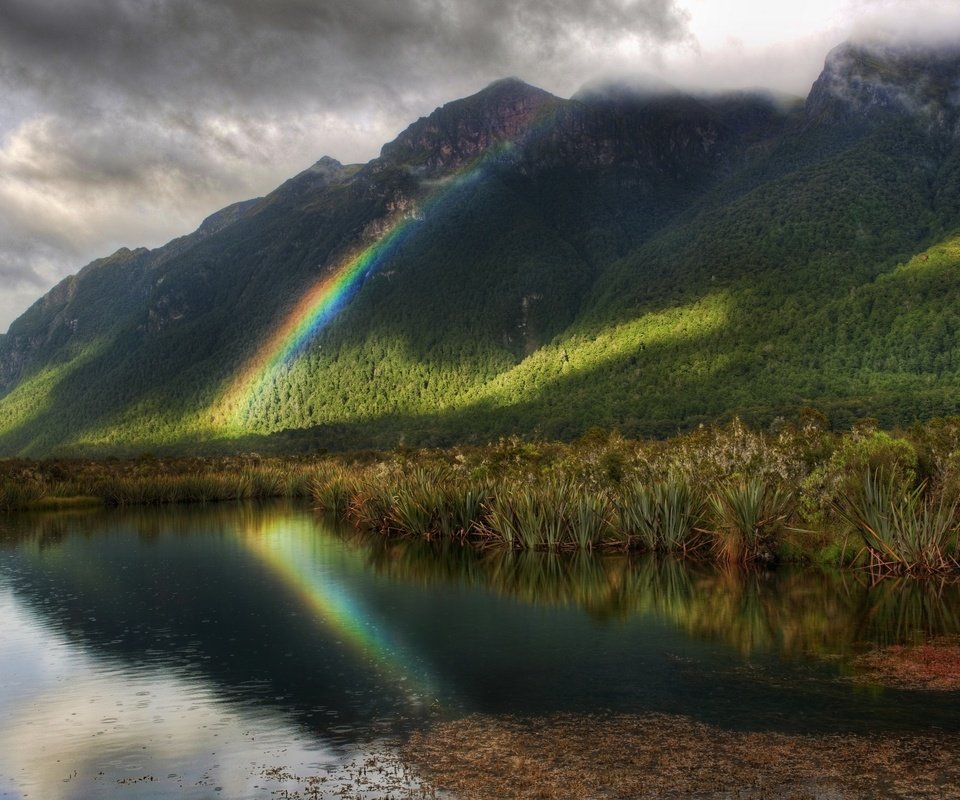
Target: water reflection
point(76, 726)
point(260, 599)
point(201, 645)
point(792, 611)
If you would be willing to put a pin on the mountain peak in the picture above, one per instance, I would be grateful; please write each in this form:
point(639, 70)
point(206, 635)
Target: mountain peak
point(508, 89)
point(457, 132)
point(870, 78)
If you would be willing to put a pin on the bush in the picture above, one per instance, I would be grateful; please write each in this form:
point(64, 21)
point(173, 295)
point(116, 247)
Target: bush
point(841, 475)
point(903, 530)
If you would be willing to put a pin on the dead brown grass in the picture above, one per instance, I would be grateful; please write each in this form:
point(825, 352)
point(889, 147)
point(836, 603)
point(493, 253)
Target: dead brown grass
point(576, 757)
point(934, 665)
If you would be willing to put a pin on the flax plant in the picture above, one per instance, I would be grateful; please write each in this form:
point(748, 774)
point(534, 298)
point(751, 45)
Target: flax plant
point(369, 507)
point(264, 482)
point(332, 491)
point(748, 515)
point(903, 529)
point(416, 500)
point(664, 516)
point(16, 495)
point(552, 513)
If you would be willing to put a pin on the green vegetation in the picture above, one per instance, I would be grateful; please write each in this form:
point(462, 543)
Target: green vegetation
point(748, 515)
point(149, 481)
point(646, 264)
point(664, 516)
point(904, 529)
point(729, 493)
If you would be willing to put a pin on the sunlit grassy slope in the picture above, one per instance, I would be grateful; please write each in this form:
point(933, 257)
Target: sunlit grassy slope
point(644, 266)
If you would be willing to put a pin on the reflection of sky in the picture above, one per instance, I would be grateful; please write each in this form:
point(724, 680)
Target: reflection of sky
point(74, 727)
point(197, 646)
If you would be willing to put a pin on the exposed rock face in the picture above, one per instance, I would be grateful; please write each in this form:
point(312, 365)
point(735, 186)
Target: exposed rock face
point(325, 172)
point(221, 219)
point(662, 135)
point(859, 82)
point(458, 132)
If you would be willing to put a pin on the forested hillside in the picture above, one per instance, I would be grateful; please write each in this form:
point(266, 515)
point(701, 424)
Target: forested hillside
point(517, 262)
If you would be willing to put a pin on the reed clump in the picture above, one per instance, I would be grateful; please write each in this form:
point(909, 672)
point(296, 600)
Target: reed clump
point(730, 492)
point(903, 529)
point(747, 516)
point(664, 516)
point(423, 502)
point(331, 490)
point(149, 481)
point(549, 514)
point(17, 495)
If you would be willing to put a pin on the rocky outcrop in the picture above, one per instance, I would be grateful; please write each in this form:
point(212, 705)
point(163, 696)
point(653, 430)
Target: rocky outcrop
point(864, 82)
point(225, 217)
point(456, 133)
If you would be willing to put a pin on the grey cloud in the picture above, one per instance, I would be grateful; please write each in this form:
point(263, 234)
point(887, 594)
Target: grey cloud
point(16, 273)
point(104, 76)
point(125, 122)
point(225, 52)
point(23, 258)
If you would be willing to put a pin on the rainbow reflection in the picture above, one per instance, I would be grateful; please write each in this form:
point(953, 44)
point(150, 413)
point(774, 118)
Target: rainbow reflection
point(291, 554)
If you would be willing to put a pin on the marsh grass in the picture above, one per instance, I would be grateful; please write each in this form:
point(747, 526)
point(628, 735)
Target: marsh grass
point(665, 516)
point(747, 517)
point(417, 503)
point(903, 529)
point(331, 490)
point(166, 489)
point(369, 507)
point(17, 495)
point(261, 482)
point(550, 514)
point(460, 510)
point(421, 502)
point(601, 492)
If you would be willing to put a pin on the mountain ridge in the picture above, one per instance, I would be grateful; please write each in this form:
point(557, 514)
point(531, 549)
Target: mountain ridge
point(531, 263)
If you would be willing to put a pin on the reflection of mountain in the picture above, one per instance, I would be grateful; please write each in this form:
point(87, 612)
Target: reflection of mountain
point(272, 607)
point(792, 611)
point(186, 591)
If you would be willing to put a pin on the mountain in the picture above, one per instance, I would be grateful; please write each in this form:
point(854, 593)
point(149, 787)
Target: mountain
point(515, 261)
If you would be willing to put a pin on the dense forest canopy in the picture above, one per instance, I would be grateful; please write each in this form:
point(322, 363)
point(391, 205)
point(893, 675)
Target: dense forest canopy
point(520, 263)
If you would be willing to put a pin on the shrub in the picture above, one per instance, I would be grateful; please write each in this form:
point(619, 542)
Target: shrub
point(748, 515)
point(842, 474)
point(903, 530)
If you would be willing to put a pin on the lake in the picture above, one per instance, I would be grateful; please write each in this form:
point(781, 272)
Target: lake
point(264, 650)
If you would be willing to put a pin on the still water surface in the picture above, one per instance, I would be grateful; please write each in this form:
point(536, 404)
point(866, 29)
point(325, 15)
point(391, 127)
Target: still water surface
point(228, 651)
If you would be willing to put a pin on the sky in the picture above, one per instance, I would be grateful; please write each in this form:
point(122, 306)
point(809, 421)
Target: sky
point(126, 122)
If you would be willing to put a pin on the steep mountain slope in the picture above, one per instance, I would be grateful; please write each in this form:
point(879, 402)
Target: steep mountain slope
point(516, 261)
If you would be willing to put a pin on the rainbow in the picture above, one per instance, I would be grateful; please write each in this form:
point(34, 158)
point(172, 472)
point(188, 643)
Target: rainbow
point(290, 551)
point(327, 296)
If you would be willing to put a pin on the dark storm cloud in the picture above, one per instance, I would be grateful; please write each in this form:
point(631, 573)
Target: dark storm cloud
point(229, 52)
point(125, 122)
